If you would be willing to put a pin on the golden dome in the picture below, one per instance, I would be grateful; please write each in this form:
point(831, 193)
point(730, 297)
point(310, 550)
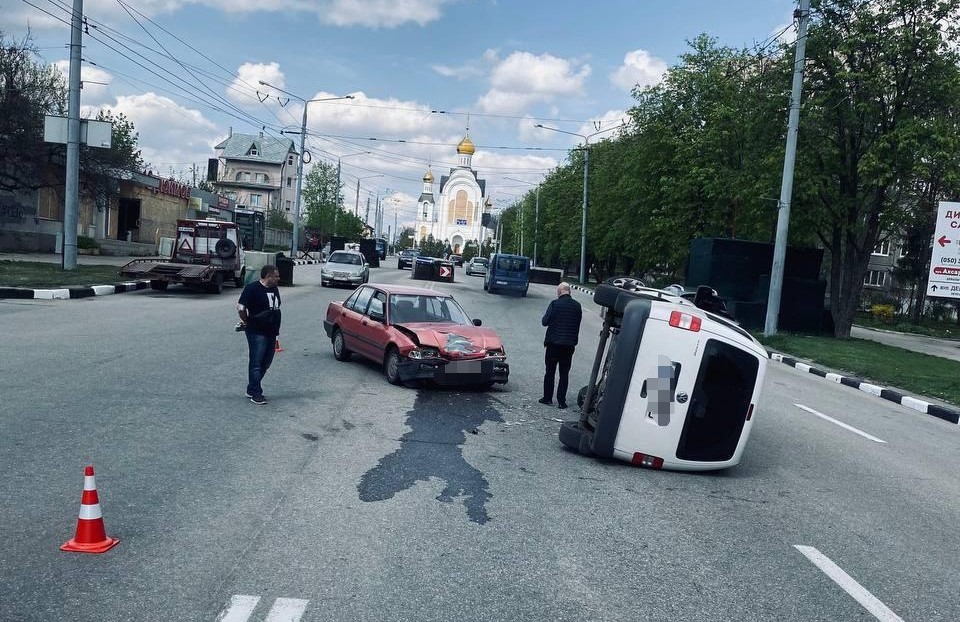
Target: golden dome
point(466, 146)
point(428, 177)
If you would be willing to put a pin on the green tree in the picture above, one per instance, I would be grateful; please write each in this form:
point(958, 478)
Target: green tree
point(321, 197)
point(879, 77)
point(28, 91)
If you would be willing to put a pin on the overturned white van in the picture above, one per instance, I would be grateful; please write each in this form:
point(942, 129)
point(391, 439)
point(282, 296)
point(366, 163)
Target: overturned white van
point(673, 386)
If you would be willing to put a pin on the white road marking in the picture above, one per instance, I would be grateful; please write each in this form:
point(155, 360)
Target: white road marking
point(287, 610)
point(849, 584)
point(239, 609)
point(840, 423)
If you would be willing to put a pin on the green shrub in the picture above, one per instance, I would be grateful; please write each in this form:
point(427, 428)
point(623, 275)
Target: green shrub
point(882, 313)
point(86, 242)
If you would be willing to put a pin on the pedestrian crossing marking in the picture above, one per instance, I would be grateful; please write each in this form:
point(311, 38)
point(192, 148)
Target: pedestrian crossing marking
point(241, 607)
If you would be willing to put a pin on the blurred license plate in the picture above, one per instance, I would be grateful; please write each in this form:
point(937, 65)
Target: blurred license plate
point(501, 282)
point(463, 367)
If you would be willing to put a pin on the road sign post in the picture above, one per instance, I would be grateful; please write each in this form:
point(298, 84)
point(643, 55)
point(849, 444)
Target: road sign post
point(943, 280)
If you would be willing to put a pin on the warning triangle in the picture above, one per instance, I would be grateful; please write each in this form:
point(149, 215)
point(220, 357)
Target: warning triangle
point(185, 246)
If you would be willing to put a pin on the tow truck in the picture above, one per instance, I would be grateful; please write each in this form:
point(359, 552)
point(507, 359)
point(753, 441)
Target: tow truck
point(206, 254)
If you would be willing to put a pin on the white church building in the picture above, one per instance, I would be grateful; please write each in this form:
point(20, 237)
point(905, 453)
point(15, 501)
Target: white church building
point(455, 216)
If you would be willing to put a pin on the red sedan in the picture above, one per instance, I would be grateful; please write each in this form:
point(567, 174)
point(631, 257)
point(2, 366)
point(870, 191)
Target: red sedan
point(416, 334)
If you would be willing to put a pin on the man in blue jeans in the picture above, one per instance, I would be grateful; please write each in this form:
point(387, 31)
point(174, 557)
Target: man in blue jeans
point(259, 309)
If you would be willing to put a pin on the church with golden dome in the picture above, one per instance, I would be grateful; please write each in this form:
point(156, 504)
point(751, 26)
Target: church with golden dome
point(455, 216)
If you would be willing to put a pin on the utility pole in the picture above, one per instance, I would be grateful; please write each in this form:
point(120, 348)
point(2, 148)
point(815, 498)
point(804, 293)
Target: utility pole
point(336, 205)
point(396, 232)
point(786, 185)
point(536, 227)
point(356, 204)
point(366, 215)
point(71, 204)
point(583, 220)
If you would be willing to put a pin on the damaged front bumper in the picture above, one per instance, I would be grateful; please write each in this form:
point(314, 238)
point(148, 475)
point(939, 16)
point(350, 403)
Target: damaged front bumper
point(444, 372)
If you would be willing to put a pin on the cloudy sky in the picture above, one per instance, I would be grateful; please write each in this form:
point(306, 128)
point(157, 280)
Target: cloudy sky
point(188, 71)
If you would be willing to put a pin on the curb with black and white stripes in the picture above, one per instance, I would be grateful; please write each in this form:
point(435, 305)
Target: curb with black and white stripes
point(947, 414)
point(305, 262)
point(581, 289)
point(69, 293)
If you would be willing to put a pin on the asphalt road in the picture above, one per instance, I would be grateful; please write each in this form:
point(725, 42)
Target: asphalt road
point(347, 498)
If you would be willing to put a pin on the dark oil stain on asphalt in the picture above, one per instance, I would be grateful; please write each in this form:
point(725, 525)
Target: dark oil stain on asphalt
point(433, 447)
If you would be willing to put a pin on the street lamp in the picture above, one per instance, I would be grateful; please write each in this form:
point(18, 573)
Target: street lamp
point(586, 168)
point(536, 217)
point(356, 205)
point(303, 137)
point(336, 209)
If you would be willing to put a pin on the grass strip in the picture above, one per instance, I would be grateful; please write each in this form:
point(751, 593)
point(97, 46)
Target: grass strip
point(42, 275)
point(918, 374)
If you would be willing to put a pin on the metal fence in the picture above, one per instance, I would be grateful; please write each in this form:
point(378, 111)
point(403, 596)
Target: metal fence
point(277, 237)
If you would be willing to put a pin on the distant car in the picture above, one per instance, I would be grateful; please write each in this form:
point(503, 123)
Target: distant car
point(456, 259)
point(345, 268)
point(406, 258)
point(508, 273)
point(416, 334)
point(477, 265)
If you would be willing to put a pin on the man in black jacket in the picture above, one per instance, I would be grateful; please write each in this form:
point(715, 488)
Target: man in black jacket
point(562, 320)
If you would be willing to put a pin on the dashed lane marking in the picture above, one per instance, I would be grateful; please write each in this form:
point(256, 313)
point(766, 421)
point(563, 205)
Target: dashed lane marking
point(859, 593)
point(840, 423)
point(241, 607)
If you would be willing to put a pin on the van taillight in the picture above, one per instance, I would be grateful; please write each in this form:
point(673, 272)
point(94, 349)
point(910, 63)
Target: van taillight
point(750, 412)
point(686, 321)
point(649, 462)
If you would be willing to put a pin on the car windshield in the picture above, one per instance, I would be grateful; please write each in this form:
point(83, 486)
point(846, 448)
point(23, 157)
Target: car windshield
point(407, 308)
point(348, 258)
point(408, 253)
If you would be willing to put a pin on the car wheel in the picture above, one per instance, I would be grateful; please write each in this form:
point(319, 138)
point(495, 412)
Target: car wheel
point(391, 366)
point(340, 351)
point(159, 285)
point(238, 280)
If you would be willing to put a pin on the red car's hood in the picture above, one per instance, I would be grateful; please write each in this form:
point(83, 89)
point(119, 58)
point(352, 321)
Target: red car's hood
point(455, 341)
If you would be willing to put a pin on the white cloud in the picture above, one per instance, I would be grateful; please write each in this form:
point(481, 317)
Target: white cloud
point(607, 121)
point(245, 87)
point(96, 82)
point(460, 73)
point(522, 79)
point(169, 133)
point(344, 13)
point(785, 33)
point(640, 68)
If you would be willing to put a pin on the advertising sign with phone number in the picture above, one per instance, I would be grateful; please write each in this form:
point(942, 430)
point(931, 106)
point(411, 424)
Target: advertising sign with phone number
point(944, 278)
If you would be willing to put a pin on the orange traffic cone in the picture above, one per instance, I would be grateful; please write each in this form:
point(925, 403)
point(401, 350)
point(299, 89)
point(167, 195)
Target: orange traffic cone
point(276, 346)
point(91, 536)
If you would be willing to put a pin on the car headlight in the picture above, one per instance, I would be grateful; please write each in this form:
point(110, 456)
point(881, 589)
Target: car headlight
point(424, 353)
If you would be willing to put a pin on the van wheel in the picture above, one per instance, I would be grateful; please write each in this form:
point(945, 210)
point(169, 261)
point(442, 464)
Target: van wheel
point(340, 351)
point(159, 285)
point(524, 294)
point(391, 366)
point(215, 286)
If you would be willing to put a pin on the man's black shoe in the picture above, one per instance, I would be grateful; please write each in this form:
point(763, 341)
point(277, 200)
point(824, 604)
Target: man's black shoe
point(562, 405)
point(259, 400)
point(544, 400)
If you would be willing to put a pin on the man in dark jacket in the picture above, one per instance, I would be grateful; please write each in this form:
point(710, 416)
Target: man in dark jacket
point(259, 310)
point(562, 320)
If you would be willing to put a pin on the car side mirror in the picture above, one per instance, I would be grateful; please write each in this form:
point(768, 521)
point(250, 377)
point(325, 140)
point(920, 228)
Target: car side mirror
point(478, 322)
